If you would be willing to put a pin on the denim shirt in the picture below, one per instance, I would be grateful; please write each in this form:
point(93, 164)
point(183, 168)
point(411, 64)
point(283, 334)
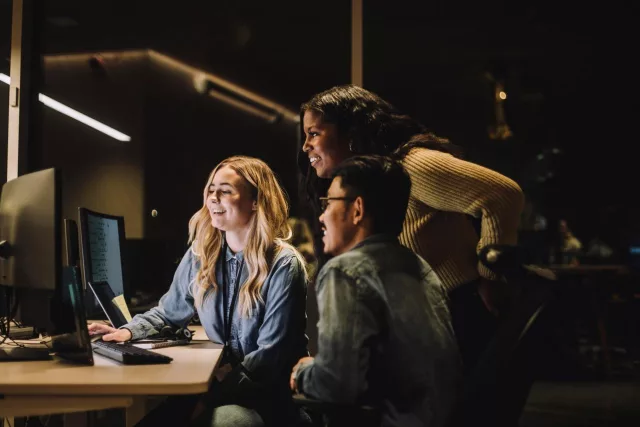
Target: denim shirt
point(269, 342)
point(384, 336)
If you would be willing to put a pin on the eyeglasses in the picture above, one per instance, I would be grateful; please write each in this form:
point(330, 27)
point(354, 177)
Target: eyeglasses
point(324, 201)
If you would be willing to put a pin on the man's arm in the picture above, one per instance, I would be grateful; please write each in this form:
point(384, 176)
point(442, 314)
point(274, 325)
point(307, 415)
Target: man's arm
point(347, 323)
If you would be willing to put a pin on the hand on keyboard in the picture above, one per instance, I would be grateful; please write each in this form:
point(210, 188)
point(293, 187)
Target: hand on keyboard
point(109, 333)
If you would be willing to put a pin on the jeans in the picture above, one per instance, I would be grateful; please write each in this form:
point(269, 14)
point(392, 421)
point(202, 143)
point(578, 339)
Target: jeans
point(473, 324)
point(221, 412)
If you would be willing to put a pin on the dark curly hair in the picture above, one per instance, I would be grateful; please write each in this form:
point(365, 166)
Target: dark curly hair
point(372, 126)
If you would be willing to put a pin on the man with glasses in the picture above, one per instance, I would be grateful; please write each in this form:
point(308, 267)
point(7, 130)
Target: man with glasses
point(384, 336)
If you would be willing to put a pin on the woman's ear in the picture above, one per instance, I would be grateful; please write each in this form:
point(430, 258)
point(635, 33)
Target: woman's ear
point(353, 141)
point(254, 207)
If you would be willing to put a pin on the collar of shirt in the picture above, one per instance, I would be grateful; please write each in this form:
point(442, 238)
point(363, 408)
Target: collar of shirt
point(376, 238)
point(229, 255)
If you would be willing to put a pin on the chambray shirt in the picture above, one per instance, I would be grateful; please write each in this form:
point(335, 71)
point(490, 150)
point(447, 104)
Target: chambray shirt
point(384, 336)
point(269, 342)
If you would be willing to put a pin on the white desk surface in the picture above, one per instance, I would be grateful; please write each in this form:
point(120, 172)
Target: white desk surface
point(190, 372)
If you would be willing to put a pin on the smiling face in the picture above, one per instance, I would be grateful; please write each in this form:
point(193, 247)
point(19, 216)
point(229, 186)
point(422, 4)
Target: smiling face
point(323, 144)
point(339, 222)
point(230, 202)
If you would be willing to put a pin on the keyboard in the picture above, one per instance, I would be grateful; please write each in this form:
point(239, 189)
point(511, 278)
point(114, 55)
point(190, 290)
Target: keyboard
point(128, 354)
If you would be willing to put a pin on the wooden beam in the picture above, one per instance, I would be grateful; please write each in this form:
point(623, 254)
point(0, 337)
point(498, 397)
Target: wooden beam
point(23, 96)
point(356, 42)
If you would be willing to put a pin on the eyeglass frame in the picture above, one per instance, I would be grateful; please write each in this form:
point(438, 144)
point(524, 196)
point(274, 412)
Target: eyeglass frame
point(324, 201)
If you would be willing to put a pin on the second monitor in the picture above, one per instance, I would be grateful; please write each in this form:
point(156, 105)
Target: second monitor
point(102, 238)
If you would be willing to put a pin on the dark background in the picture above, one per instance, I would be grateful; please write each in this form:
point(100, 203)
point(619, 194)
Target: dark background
point(567, 69)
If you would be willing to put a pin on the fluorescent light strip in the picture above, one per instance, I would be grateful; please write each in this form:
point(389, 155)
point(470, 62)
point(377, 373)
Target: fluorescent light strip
point(52, 103)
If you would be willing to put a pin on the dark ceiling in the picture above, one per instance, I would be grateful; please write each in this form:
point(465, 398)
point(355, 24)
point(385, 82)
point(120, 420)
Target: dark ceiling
point(290, 49)
point(566, 67)
point(276, 50)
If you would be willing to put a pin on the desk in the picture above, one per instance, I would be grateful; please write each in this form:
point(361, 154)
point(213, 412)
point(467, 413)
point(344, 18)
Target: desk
point(587, 269)
point(59, 386)
point(588, 277)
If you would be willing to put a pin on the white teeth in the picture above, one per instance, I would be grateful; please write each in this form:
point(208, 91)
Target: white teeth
point(218, 212)
point(312, 160)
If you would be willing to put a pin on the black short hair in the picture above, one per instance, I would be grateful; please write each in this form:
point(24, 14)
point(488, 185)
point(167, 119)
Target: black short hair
point(384, 186)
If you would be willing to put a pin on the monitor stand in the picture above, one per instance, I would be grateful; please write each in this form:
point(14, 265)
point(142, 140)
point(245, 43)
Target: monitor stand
point(8, 354)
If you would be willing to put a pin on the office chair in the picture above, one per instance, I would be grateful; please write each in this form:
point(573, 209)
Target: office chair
point(324, 414)
point(497, 389)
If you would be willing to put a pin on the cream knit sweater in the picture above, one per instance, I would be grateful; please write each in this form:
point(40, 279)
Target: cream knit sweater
point(443, 189)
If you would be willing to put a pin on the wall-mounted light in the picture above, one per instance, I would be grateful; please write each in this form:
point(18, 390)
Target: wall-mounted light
point(228, 92)
point(68, 111)
point(204, 85)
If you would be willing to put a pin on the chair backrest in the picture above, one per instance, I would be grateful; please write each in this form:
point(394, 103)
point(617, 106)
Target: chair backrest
point(325, 414)
point(496, 391)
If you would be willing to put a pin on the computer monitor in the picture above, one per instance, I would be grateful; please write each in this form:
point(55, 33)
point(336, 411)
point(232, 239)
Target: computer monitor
point(30, 245)
point(69, 330)
point(102, 240)
point(71, 245)
point(70, 335)
point(46, 295)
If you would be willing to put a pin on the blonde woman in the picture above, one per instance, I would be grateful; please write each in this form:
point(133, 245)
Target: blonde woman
point(248, 287)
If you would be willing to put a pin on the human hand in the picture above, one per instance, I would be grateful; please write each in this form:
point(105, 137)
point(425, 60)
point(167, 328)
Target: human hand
point(100, 329)
point(222, 371)
point(110, 333)
point(294, 371)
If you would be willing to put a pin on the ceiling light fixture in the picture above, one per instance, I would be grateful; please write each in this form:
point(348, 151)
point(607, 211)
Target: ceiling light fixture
point(82, 118)
point(227, 92)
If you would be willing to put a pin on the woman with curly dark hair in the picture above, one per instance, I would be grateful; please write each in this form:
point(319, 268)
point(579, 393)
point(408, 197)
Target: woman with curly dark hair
point(348, 120)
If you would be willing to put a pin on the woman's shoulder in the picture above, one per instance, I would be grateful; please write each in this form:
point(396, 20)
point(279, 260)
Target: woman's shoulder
point(426, 163)
point(286, 253)
point(190, 262)
point(288, 256)
point(427, 156)
point(189, 256)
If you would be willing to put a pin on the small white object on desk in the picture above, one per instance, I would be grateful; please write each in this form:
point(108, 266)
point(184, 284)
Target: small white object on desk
point(161, 344)
point(122, 305)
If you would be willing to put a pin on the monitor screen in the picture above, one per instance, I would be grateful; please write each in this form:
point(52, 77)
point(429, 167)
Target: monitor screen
point(30, 229)
point(30, 245)
point(102, 238)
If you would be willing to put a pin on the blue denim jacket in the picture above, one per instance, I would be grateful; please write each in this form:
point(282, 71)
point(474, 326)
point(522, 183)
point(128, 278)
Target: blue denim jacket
point(384, 336)
point(268, 343)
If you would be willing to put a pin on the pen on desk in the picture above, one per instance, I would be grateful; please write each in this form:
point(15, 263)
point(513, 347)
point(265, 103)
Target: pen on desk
point(169, 343)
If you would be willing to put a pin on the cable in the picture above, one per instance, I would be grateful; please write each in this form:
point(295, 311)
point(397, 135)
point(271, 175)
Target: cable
point(13, 343)
point(6, 329)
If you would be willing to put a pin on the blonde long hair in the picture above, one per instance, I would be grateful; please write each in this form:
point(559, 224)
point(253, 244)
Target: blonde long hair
point(268, 233)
